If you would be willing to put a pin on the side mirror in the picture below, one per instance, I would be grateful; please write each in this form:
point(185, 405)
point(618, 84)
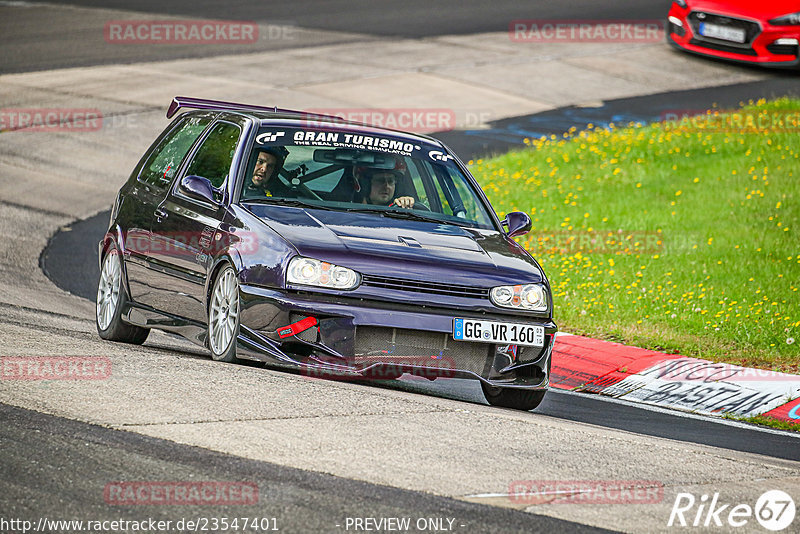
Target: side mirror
point(198, 188)
point(518, 222)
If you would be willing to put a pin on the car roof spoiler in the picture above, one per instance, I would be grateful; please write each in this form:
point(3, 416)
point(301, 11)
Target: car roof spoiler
point(185, 102)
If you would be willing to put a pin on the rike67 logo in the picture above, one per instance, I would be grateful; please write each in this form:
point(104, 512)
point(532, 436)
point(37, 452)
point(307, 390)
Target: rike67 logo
point(774, 510)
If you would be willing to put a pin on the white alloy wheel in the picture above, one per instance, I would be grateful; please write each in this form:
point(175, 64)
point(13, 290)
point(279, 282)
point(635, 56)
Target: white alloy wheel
point(112, 301)
point(223, 316)
point(108, 290)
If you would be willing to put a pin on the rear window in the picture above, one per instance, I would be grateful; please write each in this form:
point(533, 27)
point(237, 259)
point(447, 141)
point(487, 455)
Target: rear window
point(164, 161)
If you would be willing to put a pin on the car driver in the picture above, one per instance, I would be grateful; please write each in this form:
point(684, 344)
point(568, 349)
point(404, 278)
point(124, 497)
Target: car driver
point(265, 180)
point(381, 188)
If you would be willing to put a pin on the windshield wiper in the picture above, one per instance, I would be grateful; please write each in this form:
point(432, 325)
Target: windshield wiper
point(286, 202)
point(399, 214)
point(396, 213)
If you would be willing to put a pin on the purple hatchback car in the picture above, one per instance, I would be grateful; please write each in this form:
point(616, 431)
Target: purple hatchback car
point(335, 248)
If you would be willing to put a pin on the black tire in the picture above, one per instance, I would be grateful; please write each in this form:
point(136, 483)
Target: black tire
point(111, 300)
point(225, 350)
point(518, 399)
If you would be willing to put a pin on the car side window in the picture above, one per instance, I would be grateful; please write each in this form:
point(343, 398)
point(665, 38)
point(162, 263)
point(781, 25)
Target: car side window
point(164, 161)
point(416, 180)
point(214, 157)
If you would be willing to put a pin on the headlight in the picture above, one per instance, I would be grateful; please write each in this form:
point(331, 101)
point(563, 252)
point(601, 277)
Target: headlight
point(524, 297)
point(792, 19)
point(310, 272)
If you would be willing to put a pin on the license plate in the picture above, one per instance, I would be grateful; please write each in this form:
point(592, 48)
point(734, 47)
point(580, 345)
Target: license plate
point(726, 33)
point(498, 332)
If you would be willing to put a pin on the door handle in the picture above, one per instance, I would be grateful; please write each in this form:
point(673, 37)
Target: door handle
point(160, 214)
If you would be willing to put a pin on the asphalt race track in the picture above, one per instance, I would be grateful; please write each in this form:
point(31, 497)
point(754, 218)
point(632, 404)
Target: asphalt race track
point(299, 501)
point(321, 452)
point(507, 134)
point(70, 262)
point(56, 40)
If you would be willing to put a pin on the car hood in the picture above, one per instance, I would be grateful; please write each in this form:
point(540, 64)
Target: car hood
point(762, 10)
point(402, 248)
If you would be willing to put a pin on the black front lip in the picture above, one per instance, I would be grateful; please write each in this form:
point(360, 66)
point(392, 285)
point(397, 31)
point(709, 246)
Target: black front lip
point(259, 335)
point(343, 372)
point(710, 53)
point(749, 62)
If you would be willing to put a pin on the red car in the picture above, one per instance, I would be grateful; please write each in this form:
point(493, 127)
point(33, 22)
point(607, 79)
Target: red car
point(763, 32)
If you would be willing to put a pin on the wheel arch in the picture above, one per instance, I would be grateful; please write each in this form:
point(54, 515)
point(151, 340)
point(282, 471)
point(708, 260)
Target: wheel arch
point(230, 257)
point(114, 236)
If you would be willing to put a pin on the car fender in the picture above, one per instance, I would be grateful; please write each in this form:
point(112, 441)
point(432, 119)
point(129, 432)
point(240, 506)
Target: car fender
point(265, 257)
point(230, 256)
point(114, 235)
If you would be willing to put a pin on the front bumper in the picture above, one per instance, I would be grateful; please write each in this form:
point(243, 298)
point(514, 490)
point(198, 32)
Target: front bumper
point(760, 50)
point(370, 339)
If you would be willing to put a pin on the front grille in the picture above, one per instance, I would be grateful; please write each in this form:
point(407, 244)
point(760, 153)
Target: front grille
point(724, 48)
point(752, 29)
point(680, 31)
point(417, 347)
point(782, 50)
point(425, 287)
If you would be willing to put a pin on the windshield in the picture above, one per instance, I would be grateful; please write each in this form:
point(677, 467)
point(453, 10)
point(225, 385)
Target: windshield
point(348, 171)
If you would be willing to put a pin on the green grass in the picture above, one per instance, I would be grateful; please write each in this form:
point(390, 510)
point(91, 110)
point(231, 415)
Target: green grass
point(697, 232)
point(768, 422)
